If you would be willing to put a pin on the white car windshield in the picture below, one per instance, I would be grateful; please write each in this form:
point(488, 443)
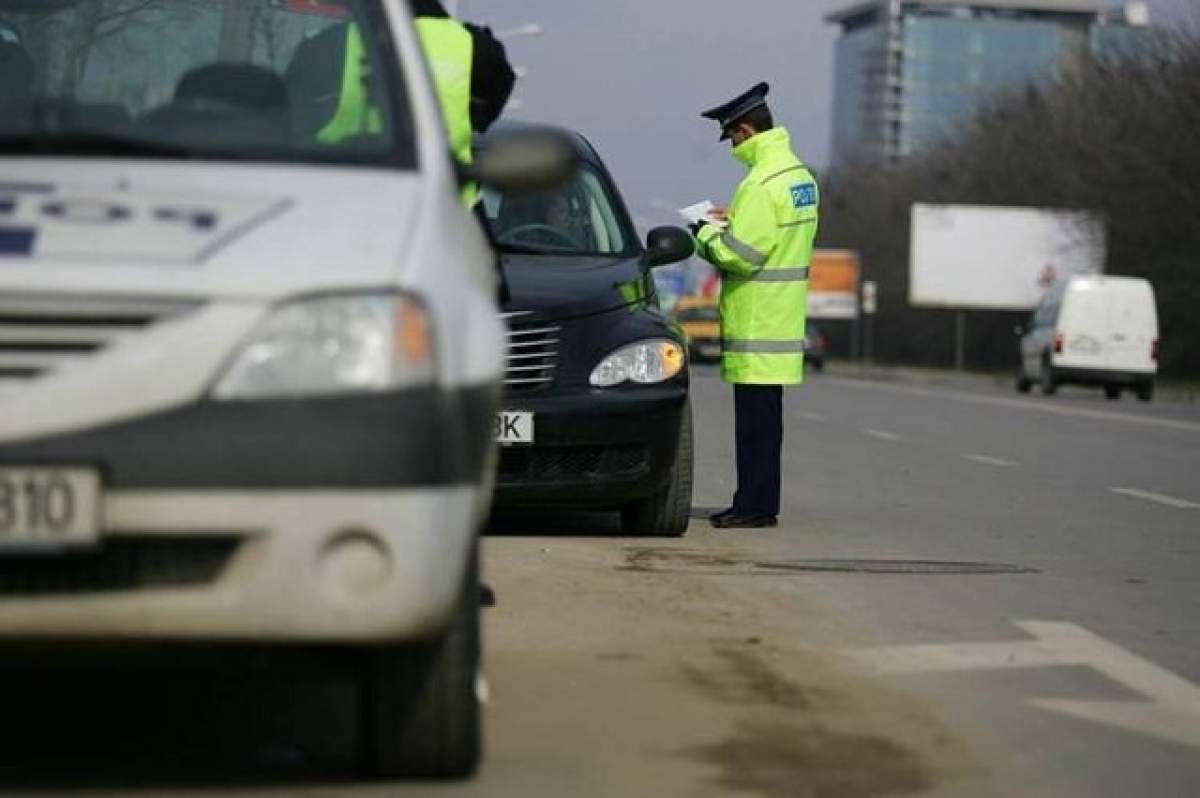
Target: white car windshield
point(290, 80)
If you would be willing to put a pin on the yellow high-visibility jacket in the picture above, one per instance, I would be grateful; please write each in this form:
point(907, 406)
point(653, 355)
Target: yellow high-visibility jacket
point(450, 50)
point(764, 257)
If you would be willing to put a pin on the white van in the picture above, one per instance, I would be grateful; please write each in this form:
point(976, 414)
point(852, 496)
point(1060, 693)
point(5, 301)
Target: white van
point(1093, 330)
point(250, 354)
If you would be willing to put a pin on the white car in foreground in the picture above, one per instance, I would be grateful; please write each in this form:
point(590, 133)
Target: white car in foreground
point(249, 348)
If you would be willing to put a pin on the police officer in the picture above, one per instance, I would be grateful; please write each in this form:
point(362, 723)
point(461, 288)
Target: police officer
point(471, 73)
point(763, 247)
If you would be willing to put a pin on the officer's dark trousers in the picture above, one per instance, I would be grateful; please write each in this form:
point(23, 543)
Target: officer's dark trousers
point(759, 430)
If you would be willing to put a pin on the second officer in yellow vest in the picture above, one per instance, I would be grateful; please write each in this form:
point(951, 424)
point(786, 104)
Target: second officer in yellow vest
point(763, 251)
point(471, 73)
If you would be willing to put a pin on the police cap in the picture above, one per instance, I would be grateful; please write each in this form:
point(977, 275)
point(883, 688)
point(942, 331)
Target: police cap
point(730, 112)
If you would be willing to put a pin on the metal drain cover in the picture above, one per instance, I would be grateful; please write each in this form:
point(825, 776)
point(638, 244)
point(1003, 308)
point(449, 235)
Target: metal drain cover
point(733, 563)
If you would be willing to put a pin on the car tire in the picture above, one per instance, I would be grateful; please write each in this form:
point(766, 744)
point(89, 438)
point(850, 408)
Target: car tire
point(1048, 379)
point(1112, 392)
point(421, 705)
point(1024, 384)
point(1145, 392)
point(666, 514)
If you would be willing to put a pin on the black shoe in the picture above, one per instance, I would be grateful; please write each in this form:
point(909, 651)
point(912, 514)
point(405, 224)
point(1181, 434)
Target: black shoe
point(723, 514)
point(740, 521)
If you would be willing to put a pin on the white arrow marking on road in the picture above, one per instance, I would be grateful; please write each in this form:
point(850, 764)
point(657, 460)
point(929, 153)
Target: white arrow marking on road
point(989, 460)
point(1157, 498)
point(883, 436)
point(1172, 713)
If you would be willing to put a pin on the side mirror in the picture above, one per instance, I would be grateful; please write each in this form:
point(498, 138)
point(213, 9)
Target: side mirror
point(668, 245)
point(524, 162)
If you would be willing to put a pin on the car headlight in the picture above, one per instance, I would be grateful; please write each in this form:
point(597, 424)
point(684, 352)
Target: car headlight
point(645, 362)
point(334, 344)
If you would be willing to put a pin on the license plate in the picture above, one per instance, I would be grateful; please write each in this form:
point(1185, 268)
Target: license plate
point(48, 508)
point(513, 428)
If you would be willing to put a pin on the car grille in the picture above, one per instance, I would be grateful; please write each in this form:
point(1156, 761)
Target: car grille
point(41, 335)
point(532, 354)
point(555, 463)
point(124, 563)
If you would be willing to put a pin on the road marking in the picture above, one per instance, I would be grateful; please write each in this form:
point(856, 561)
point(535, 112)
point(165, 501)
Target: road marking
point(989, 460)
point(1157, 498)
point(1024, 404)
point(813, 416)
point(881, 434)
point(1172, 711)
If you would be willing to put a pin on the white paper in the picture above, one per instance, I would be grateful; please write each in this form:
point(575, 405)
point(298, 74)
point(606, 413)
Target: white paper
point(701, 212)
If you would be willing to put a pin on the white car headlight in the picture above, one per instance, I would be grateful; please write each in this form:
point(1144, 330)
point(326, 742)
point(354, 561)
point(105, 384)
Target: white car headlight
point(334, 344)
point(646, 362)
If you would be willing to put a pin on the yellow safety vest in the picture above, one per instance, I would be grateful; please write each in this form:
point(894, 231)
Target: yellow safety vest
point(450, 51)
point(355, 115)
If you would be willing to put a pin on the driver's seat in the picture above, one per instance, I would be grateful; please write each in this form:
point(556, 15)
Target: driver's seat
point(243, 104)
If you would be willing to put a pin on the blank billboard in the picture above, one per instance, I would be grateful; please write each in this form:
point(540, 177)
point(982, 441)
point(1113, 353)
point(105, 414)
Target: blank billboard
point(978, 256)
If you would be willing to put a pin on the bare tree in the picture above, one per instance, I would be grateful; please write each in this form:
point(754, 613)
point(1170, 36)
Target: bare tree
point(96, 21)
point(1115, 136)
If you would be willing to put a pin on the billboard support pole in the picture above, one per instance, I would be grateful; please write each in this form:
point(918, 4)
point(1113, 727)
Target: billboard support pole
point(960, 339)
point(869, 339)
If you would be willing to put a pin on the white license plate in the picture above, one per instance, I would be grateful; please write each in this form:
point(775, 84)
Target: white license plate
point(513, 427)
point(48, 508)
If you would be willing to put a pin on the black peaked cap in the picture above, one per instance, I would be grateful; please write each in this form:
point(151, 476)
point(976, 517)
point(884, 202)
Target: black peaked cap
point(728, 113)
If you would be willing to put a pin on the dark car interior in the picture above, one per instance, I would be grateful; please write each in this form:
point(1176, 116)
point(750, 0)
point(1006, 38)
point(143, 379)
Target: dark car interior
point(241, 109)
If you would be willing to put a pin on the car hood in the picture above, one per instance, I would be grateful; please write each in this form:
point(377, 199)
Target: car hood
point(192, 229)
point(560, 287)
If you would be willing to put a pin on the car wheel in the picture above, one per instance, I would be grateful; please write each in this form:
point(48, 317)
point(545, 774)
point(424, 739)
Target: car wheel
point(1023, 382)
point(1048, 379)
point(1112, 392)
point(666, 513)
point(421, 707)
point(1145, 392)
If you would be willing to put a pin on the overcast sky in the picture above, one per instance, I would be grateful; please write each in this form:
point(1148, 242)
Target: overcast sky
point(633, 75)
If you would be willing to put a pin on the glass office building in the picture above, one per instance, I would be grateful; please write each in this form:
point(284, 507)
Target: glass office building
point(908, 71)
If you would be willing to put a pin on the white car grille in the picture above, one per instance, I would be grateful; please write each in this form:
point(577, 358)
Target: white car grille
point(42, 335)
point(532, 353)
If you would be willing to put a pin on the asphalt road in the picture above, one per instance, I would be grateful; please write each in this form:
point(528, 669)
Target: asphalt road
point(971, 593)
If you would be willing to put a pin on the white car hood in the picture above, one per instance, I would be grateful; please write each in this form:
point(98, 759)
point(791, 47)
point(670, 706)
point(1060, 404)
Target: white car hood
point(200, 230)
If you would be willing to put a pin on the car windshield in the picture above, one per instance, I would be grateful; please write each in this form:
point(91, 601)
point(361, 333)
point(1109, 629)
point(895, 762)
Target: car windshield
point(699, 314)
point(579, 218)
point(278, 80)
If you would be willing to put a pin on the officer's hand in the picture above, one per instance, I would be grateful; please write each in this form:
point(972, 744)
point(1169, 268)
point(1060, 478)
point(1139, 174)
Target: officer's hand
point(696, 227)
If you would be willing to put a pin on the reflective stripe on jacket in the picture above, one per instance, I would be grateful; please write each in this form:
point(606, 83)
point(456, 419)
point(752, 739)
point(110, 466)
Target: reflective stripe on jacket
point(764, 257)
point(450, 49)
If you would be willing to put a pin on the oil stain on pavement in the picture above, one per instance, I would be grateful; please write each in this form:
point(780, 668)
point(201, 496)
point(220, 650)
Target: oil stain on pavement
point(797, 729)
point(781, 759)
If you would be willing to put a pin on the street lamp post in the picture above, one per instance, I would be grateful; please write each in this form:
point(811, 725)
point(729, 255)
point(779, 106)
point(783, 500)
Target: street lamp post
point(528, 29)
